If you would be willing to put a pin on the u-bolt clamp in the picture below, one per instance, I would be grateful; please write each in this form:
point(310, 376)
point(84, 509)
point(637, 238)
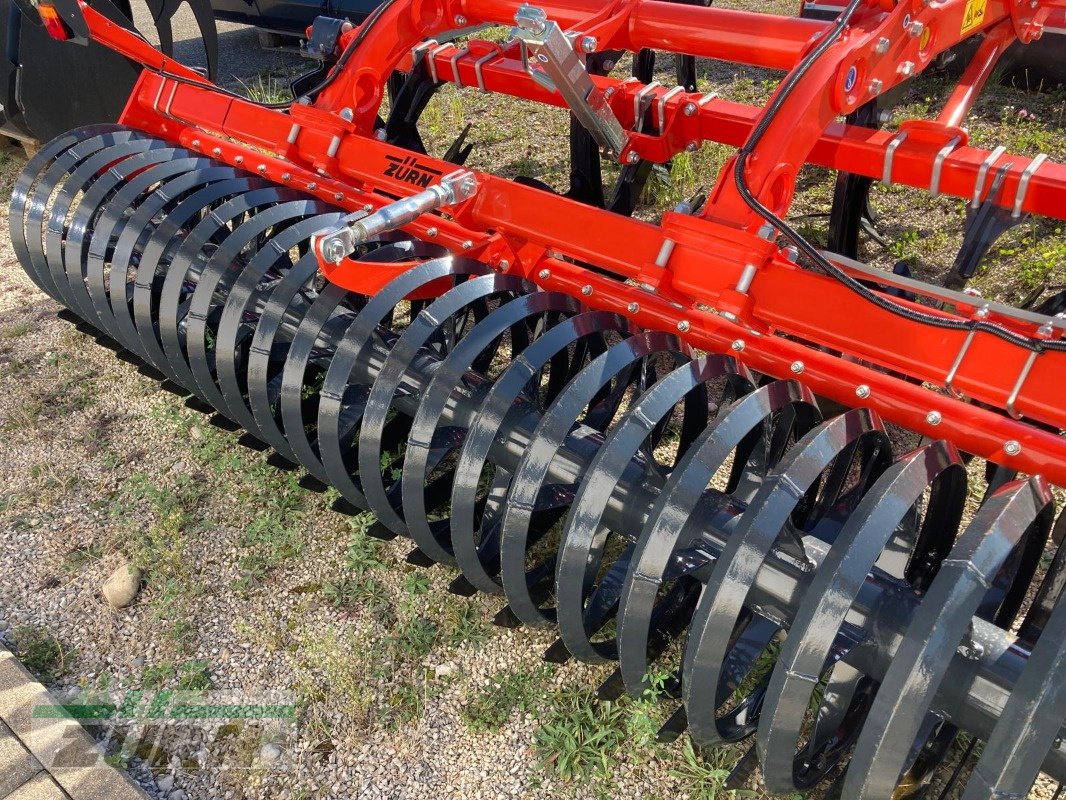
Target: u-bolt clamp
point(336, 244)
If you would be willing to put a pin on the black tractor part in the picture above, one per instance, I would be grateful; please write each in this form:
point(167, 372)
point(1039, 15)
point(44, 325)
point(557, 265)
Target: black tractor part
point(47, 86)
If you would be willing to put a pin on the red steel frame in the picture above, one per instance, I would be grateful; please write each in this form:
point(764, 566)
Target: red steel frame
point(788, 318)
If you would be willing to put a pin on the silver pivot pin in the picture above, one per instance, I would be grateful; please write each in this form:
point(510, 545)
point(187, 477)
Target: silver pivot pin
point(338, 243)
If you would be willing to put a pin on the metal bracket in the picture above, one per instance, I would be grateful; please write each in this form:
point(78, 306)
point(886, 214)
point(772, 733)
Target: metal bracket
point(641, 103)
point(938, 166)
point(890, 155)
point(982, 175)
point(1023, 183)
point(336, 244)
point(661, 108)
point(567, 72)
point(325, 33)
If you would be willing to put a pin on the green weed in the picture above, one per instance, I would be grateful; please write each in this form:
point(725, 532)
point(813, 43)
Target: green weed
point(505, 695)
point(40, 652)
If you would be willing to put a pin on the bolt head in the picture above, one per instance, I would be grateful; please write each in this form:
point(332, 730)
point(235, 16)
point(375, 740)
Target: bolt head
point(934, 418)
point(683, 326)
point(797, 367)
point(882, 46)
point(431, 231)
point(262, 168)
point(467, 244)
point(586, 290)
point(338, 196)
point(862, 391)
point(916, 29)
point(312, 186)
point(982, 312)
point(505, 264)
point(633, 308)
point(239, 160)
point(876, 86)
point(347, 114)
point(690, 109)
point(906, 69)
point(216, 151)
point(738, 345)
point(285, 176)
point(333, 251)
point(632, 157)
point(692, 147)
point(1012, 448)
point(544, 274)
point(588, 44)
point(195, 142)
point(460, 20)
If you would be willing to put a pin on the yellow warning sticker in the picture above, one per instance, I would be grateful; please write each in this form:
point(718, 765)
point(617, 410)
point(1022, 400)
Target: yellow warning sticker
point(974, 15)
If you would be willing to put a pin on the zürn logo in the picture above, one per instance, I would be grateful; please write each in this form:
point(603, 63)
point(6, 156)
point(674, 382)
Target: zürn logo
point(408, 169)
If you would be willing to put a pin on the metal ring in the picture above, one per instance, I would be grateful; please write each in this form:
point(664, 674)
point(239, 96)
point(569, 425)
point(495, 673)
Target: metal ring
point(582, 611)
point(92, 218)
point(216, 279)
point(326, 319)
point(339, 397)
point(424, 448)
point(186, 267)
point(749, 544)
point(110, 291)
point(662, 538)
point(24, 187)
point(476, 546)
point(384, 500)
point(1030, 722)
point(834, 588)
point(165, 239)
point(938, 626)
point(38, 205)
point(617, 363)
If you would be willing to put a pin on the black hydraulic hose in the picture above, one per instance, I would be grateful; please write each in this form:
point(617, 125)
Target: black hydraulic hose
point(882, 302)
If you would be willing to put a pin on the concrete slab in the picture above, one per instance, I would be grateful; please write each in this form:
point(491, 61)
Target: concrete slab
point(58, 742)
point(17, 765)
point(41, 787)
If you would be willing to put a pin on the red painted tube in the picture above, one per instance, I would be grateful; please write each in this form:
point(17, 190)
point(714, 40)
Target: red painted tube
point(763, 40)
point(744, 37)
point(977, 73)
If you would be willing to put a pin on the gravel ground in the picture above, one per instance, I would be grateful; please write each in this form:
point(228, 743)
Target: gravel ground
point(252, 584)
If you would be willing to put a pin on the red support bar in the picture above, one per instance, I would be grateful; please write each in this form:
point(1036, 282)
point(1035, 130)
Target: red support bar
point(850, 148)
point(977, 73)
